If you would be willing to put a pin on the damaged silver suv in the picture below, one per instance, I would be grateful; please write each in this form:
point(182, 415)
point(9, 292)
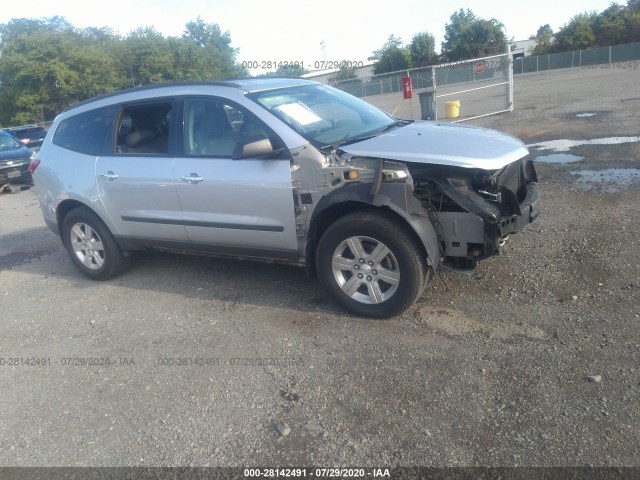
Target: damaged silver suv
point(281, 170)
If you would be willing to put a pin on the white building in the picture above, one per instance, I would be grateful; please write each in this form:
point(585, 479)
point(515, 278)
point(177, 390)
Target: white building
point(521, 48)
point(324, 76)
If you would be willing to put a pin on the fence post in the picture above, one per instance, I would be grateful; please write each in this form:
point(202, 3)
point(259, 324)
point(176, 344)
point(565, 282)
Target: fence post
point(580, 56)
point(435, 97)
point(573, 55)
point(609, 53)
point(510, 84)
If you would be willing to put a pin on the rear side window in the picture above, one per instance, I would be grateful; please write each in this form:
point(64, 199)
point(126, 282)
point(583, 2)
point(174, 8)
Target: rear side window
point(144, 128)
point(85, 132)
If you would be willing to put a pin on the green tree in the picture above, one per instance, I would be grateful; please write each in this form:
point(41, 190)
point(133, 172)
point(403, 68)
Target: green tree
point(188, 61)
point(204, 34)
point(467, 36)
point(46, 64)
point(102, 35)
point(391, 56)
point(146, 57)
point(633, 21)
point(290, 71)
point(216, 47)
point(610, 26)
point(544, 40)
point(46, 69)
point(422, 50)
point(392, 42)
point(392, 60)
point(577, 34)
point(20, 27)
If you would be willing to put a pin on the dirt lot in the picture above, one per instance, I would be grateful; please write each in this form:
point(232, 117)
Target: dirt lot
point(537, 364)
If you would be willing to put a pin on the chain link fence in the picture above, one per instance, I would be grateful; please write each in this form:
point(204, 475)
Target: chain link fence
point(472, 88)
point(618, 56)
point(477, 87)
point(386, 83)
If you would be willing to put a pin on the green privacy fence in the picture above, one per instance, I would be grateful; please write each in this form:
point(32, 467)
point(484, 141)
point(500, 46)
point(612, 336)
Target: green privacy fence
point(619, 56)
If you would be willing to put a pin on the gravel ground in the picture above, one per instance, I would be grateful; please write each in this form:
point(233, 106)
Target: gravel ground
point(537, 364)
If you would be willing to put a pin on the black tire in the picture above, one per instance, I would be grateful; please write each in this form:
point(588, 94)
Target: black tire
point(404, 267)
point(86, 237)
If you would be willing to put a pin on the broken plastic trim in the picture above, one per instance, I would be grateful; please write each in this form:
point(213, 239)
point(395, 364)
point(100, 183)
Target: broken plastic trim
point(461, 271)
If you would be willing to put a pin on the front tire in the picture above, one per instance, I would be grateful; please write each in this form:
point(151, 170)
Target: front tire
point(371, 264)
point(91, 246)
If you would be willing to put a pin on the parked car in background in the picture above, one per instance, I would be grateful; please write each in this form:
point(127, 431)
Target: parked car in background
point(14, 161)
point(282, 170)
point(30, 136)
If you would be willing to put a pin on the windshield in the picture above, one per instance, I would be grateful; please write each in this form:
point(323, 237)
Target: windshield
point(7, 142)
point(324, 115)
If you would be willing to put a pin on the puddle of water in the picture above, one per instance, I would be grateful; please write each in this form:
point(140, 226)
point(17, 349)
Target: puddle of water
point(585, 115)
point(564, 145)
point(609, 180)
point(558, 158)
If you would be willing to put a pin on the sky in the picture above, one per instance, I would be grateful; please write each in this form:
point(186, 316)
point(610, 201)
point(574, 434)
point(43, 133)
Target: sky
point(286, 31)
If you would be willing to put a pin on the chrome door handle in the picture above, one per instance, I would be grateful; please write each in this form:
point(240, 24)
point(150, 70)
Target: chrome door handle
point(192, 178)
point(109, 176)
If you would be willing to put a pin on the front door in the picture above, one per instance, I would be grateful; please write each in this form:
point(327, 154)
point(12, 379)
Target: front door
point(243, 206)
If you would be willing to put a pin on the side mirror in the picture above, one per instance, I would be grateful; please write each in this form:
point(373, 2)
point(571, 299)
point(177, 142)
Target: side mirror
point(253, 148)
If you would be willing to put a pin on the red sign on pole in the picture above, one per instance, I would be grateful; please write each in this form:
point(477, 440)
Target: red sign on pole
point(407, 88)
point(479, 67)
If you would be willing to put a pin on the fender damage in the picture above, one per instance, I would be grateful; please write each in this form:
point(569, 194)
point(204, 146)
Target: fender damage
point(461, 189)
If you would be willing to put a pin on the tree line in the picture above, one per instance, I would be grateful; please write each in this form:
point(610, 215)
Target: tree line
point(46, 65)
point(468, 36)
point(616, 25)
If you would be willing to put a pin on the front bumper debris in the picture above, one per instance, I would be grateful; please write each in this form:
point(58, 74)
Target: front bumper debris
point(529, 208)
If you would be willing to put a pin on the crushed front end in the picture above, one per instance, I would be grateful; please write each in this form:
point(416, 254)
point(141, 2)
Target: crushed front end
point(475, 210)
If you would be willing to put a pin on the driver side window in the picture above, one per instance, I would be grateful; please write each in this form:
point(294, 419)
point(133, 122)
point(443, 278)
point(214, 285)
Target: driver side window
point(214, 128)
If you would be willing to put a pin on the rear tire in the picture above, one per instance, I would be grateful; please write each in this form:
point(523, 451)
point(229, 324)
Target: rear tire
point(91, 246)
point(371, 264)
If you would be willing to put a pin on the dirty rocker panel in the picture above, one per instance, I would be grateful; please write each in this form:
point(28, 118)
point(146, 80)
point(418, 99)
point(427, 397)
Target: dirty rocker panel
point(270, 255)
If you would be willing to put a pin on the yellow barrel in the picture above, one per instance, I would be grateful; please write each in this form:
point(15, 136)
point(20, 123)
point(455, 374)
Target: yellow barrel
point(452, 108)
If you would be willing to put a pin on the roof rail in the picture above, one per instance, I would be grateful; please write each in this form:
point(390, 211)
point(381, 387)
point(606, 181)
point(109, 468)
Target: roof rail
point(151, 87)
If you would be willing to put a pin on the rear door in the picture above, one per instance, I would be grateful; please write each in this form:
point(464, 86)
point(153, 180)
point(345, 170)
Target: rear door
point(244, 206)
point(135, 177)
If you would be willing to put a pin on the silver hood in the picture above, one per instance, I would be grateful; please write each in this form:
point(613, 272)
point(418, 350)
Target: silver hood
point(442, 144)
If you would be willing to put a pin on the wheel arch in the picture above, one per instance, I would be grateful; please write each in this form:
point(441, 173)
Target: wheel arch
point(67, 206)
point(92, 248)
point(394, 200)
